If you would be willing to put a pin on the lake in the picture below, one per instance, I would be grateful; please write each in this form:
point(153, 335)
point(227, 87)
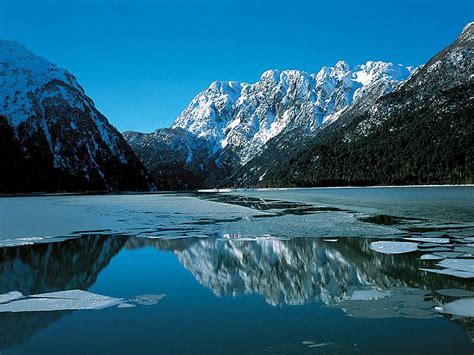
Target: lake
point(291, 271)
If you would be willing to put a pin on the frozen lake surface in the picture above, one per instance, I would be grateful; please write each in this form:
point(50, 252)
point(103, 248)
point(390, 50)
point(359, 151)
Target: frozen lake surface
point(295, 271)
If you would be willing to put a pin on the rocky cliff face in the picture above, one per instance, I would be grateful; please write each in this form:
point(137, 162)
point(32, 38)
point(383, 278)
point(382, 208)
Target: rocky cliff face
point(52, 136)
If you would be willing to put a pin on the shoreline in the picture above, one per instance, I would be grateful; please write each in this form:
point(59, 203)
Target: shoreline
point(223, 190)
point(330, 187)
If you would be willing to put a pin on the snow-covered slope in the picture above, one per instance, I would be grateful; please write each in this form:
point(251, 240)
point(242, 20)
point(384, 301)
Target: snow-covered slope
point(53, 137)
point(240, 118)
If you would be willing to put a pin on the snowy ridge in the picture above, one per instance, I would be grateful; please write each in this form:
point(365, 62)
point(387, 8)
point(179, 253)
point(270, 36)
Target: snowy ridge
point(240, 118)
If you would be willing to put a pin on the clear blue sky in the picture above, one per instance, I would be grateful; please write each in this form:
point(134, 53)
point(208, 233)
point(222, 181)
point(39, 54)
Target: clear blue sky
point(142, 61)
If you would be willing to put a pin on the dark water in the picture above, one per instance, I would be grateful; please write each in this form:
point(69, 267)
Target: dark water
point(232, 289)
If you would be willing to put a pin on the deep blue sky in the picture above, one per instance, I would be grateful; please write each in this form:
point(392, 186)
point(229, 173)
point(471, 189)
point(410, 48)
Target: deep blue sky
point(142, 61)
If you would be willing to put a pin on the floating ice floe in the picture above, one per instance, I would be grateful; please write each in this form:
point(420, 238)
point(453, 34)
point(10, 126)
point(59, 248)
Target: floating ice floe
point(463, 307)
point(431, 245)
point(454, 292)
point(68, 301)
point(10, 296)
point(147, 300)
point(387, 247)
point(463, 268)
point(464, 249)
point(458, 264)
point(448, 254)
point(451, 272)
point(437, 249)
point(407, 303)
point(366, 295)
point(59, 301)
point(428, 240)
point(431, 257)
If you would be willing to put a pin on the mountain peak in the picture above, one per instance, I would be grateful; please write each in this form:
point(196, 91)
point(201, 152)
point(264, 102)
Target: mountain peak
point(468, 27)
point(467, 33)
point(342, 64)
point(271, 74)
point(21, 72)
point(341, 69)
point(224, 86)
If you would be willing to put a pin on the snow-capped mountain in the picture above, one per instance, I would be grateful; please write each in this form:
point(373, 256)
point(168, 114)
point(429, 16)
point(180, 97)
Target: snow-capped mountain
point(231, 122)
point(241, 117)
point(420, 133)
point(52, 136)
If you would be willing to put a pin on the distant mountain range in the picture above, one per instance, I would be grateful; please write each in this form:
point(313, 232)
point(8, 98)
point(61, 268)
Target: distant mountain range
point(230, 123)
point(372, 124)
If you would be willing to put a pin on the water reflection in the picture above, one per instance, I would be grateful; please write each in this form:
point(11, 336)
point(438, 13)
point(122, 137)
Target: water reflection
point(40, 268)
point(342, 273)
point(300, 270)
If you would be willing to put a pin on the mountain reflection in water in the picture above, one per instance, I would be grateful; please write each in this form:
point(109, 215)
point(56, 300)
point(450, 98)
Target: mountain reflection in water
point(343, 273)
point(298, 271)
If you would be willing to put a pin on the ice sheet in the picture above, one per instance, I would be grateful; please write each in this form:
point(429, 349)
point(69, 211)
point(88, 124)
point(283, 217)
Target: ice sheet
point(428, 240)
point(453, 292)
point(59, 301)
point(387, 247)
point(431, 257)
point(10, 296)
point(369, 294)
point(458, 264)
point(451, 272)
point(170, 216)
point(463, 307)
